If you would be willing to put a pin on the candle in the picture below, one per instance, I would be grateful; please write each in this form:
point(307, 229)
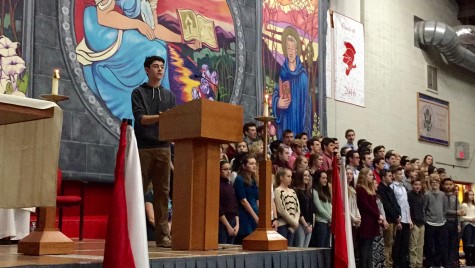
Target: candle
point(54, 86)
point(266, 105)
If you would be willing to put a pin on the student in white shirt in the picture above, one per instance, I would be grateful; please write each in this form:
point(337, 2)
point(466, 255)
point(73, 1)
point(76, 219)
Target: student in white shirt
point(401, 241)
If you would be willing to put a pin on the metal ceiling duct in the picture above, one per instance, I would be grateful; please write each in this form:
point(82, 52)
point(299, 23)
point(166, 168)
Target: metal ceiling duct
point(466, 34)
point(445, 40)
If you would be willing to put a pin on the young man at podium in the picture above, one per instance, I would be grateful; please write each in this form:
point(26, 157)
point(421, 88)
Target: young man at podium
point(148, 101)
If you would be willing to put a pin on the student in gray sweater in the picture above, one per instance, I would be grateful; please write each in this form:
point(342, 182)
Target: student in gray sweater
point(435, 230)
point(452, 224)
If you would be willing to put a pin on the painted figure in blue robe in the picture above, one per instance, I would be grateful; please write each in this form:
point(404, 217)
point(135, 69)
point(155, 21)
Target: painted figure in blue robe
point(291, 102)
point(118, 35)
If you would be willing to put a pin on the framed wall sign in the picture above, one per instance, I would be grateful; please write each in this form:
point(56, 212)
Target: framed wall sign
point(433, 116)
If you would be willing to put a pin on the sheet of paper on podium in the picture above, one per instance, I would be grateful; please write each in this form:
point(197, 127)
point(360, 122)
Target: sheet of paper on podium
point(30, 135)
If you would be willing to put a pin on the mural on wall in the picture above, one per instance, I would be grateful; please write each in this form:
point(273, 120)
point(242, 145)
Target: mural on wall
point(196, 38)
point(290, 52)
point(13, 70)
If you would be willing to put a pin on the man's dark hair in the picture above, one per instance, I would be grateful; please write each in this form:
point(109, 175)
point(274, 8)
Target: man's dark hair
point(149, 60)
point(376, 160)
point(360, 141)
point(446, 179)
point(431, 169)
point(364, 150)
point(246, 127)
point(300, 135)
point(413, 160)
point(395, 168)
point(384, 172)
point(287, 131)
point(260, 128)
point(364, 154)
point(404, 160)
point(310, 142)
point(415, 179)
point(389, 154)
point(365, 144)
point(350, 154)
point(342, 150)
point(326, 141)
point(377, 148)
point(348, 131)
point(274, 145)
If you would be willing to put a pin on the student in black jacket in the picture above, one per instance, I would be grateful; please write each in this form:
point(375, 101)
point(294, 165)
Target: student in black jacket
point(416, 199)
point(393, 213)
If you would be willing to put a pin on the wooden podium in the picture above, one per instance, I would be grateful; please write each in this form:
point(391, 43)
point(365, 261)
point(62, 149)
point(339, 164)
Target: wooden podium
point(36, 126)
point(198, 128)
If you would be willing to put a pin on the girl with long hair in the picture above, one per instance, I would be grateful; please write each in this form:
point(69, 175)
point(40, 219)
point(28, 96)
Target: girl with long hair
point(228, 207)
point(355, 215)
point(468, 235)
point(378, 243)
point(282, 160)
point(315, 162)
point(287, 204)
point(423, 175)
point(247, 196)
point(256, 149)
point(323, 209)
point(370, 216)
point(302, 185)
point(428, 161)
point(301, 163)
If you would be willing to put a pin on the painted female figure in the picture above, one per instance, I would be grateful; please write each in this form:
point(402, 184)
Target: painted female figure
point(118, 35)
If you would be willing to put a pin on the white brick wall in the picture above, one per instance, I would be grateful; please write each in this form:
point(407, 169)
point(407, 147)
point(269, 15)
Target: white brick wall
point(395, 72)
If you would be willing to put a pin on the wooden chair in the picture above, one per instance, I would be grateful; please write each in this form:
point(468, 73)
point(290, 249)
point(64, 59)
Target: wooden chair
point(63, 201)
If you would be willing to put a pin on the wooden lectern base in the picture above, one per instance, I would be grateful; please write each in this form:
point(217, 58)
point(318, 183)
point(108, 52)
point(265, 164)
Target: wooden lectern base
point(47, 239)
point(264, 239)
point(46, 243)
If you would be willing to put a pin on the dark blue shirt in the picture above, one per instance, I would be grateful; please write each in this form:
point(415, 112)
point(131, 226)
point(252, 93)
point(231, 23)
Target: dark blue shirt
point(251, 194)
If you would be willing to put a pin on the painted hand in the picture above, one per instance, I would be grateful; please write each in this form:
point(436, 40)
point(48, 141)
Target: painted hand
point(283, 103)
point(145, 29)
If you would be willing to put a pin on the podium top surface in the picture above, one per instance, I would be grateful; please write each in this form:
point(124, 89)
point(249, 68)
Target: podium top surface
point(19, 109)
point(203, 119)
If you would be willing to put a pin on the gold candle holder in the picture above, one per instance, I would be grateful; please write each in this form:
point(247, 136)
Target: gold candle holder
point(54, 98)
point(265, 120)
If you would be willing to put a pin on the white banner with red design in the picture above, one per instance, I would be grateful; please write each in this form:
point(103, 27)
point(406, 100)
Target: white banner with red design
point(348, 60)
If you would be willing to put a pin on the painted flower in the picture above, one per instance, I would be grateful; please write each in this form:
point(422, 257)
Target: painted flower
point(11, 69)
point(12, 65)
point(7, 47)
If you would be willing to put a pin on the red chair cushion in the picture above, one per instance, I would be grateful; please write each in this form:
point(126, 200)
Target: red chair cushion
point(67, 200)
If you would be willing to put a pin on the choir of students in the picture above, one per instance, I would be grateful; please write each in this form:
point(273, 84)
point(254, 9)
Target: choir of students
point(403, 214)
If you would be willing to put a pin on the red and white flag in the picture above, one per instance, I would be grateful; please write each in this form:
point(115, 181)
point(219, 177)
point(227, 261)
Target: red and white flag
point(126, 241)
point(340, 258)
point(348, 228)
